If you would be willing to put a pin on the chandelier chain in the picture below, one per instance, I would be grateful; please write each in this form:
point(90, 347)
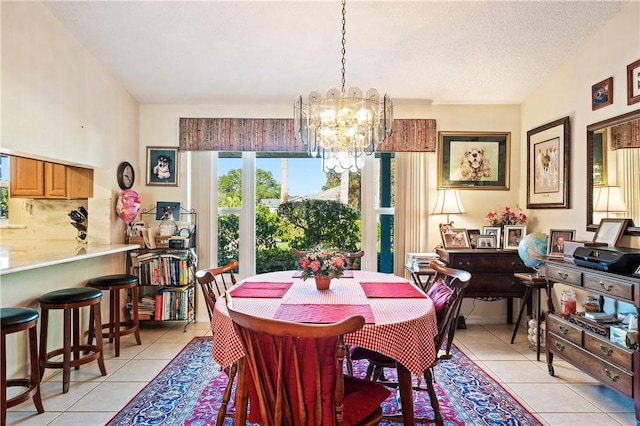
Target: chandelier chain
point(344, 41)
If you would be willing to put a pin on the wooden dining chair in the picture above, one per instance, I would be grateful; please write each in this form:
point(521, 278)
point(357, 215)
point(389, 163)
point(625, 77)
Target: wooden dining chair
point(213, 284)
point(447, 292)
point(294, 374)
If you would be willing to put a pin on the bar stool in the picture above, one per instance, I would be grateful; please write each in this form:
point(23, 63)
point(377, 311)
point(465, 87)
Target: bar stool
point(71, 300)
point(113, 284)
point(530, 283)
point(13, 320)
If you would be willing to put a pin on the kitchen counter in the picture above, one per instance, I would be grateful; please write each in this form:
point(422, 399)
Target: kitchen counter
point(18, 257)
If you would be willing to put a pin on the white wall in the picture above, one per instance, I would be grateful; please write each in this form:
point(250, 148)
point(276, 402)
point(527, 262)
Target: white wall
point(59, 103)
point(567, 91)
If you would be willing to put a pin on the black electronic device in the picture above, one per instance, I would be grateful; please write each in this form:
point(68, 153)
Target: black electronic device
point(612, 259)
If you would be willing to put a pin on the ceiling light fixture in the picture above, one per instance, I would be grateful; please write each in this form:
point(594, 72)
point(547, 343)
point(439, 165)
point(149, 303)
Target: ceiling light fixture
point(345, 125)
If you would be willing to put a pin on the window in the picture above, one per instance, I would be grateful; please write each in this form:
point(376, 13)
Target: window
point(277, 177)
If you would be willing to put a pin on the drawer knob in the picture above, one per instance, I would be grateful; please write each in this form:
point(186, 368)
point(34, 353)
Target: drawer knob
point(563, 275)
point(611, 375)
point(560, 346)
point(606, 286)
point(606, 350)
point(563, 329)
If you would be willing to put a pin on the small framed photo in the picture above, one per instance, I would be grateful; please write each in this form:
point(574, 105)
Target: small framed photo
point(456, 238)
point(162, 166)
point(486, 242)
point(167, 210)
point(557, 238)
point(610, 231)
point(602, 94)
point(492, 230)
point(473, 237)
point(513, 234)
point(633, 82)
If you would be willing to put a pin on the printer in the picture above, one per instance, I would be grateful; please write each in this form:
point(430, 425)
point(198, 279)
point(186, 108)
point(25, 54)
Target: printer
point(612, 259)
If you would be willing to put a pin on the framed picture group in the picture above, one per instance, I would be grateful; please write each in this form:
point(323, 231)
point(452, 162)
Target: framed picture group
point(491, 237)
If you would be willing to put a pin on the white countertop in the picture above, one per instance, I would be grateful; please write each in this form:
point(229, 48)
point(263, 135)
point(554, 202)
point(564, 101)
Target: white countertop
point(32, 255)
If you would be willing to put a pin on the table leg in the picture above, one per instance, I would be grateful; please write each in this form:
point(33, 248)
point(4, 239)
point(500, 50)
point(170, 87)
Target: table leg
point(509, 310)
point(406, 394)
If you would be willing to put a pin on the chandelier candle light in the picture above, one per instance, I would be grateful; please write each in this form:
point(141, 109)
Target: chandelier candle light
point(345, 125)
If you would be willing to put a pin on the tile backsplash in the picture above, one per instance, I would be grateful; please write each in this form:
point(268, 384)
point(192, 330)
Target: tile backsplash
point(42, 220)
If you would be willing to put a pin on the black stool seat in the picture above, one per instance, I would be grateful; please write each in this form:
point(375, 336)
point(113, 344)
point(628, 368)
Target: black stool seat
point(113, 280)
point(116, 327)
point(10, 317)
point(71, 301)
point(14, 320)
point(70, 295)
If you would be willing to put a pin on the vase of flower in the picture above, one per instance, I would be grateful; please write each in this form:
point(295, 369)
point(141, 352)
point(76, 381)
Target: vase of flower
point(323, 264)
point(323, 282)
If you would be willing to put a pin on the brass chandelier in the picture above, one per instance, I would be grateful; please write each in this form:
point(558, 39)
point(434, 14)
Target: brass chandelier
point(343, 126)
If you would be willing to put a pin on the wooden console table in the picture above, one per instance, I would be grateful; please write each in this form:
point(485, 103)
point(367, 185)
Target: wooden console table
point(491, 273)
point(586, 347)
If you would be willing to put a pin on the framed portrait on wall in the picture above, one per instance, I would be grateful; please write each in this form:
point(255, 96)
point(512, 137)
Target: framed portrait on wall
point(162, 166)
point(548, 165)
point(473, 160)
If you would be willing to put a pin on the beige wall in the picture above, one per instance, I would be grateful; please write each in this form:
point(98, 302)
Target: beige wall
point(59, 103)
point(567, 92)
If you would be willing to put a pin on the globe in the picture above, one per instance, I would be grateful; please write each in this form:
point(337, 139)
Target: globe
point(532, 249)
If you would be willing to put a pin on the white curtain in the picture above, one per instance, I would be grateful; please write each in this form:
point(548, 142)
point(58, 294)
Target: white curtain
point(631, 182)
point(411, 207)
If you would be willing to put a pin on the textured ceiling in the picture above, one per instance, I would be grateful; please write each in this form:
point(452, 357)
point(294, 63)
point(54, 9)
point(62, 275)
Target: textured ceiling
point(268, 52)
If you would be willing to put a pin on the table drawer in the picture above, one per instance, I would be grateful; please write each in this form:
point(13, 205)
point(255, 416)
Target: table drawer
point(564, 329)
point(609, 286)
point(606, 373)
point(560, 274)
point(609, 351)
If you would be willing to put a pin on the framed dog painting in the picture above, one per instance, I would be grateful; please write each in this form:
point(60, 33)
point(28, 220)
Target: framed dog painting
point(473, 160)
point(548, 171)
point(162, 166)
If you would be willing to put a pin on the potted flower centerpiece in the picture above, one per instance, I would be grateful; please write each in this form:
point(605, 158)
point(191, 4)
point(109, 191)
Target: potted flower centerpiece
point(323, 264)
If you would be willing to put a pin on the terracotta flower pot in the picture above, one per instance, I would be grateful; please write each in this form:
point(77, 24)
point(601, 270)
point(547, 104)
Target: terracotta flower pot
point(322, 282)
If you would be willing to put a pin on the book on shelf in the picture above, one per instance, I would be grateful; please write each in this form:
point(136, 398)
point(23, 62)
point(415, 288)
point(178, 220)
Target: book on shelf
point(600, 317)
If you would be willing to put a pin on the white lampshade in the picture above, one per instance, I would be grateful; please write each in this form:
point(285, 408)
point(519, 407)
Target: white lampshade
point(448, 202)
point(608, 199)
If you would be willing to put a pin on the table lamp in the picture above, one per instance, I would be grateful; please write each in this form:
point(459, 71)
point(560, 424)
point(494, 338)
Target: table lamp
point(608, 199)
point(448, 202)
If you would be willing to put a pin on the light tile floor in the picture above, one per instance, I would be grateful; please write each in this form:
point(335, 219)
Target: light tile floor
point(570, 398)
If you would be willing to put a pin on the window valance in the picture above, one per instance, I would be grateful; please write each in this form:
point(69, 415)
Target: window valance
point(276, 134)
point(626, 135)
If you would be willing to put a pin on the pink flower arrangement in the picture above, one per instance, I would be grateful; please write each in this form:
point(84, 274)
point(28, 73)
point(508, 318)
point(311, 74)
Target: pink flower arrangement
point(506, 217)
point(327, 261)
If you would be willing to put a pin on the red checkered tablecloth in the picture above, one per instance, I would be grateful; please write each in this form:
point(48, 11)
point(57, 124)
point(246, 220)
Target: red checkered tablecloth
point(403, 329)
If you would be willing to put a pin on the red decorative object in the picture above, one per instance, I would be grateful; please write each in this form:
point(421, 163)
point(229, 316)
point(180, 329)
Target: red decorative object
point(322, 282)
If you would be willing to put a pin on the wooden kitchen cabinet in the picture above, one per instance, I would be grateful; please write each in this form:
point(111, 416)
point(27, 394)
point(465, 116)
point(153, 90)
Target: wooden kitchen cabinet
point(41, 179)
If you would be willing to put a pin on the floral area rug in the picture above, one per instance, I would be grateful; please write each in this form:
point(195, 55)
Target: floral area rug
point(189, 390)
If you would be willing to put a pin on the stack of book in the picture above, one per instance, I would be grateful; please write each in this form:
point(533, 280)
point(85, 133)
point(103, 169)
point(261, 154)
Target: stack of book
point(601, 317)
point(420, 261)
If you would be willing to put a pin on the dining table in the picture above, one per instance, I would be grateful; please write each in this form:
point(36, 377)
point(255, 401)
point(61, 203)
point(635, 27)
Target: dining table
point(400, 320)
